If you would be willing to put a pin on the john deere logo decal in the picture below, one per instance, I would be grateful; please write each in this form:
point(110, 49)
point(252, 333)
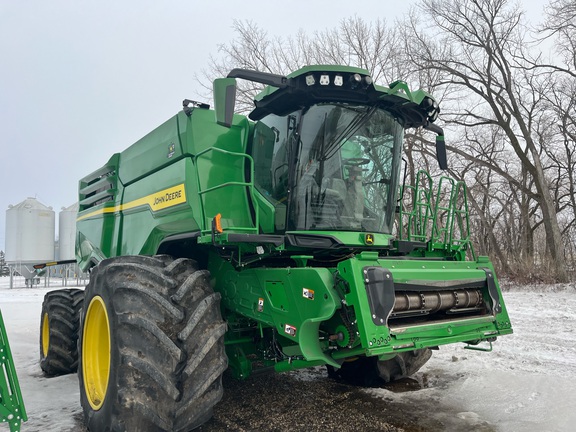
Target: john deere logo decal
point(171, 150)
point(369, 239)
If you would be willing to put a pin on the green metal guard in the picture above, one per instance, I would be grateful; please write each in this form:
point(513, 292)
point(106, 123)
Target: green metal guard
point(443, 213)
point(420, 225)
point(420, 217)
point(249, 185)
point(442, 220)
point(461, 221)
point(11, 404)
point(451, 221)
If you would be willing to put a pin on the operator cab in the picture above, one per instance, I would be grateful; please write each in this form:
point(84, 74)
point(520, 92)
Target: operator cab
point(327, 145)
point(331, 166)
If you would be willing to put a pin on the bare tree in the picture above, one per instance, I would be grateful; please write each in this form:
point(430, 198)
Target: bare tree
point(487, 60)
point(561, 24)
point(561, 107)
point(354, 42)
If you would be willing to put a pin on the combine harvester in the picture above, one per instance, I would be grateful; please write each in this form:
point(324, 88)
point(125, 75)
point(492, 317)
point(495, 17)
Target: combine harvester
point(266, 243)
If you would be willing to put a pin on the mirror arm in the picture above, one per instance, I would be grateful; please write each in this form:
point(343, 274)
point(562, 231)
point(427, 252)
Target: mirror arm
point(274, 80)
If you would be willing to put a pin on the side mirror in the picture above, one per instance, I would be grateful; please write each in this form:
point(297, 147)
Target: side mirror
point(440, 145)
point(441, 152)
point(224, 100)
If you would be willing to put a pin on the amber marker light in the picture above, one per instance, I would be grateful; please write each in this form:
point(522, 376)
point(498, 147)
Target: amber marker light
point(218, 223)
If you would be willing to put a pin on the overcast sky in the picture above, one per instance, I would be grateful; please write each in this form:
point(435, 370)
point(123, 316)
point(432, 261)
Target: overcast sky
point(81, 80)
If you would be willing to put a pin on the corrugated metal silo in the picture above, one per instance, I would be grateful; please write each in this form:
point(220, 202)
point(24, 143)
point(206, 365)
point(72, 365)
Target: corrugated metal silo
point(29, 232)
point(67, 232)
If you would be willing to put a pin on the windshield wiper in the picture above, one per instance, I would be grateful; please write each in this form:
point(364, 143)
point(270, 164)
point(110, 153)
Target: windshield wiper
point(353, 126)
point(381, 181)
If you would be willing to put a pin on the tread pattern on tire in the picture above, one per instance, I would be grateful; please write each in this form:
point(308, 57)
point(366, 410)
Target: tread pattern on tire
point(162, 377)
point(63, 309)
point(403, 365)
point(369, 371)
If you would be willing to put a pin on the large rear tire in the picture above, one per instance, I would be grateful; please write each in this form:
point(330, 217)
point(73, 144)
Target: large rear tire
point(370, 372)
point(59, 324)
point(159, 324)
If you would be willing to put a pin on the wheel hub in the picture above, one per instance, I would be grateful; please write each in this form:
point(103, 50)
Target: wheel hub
point(96, 352)
point(45, 335)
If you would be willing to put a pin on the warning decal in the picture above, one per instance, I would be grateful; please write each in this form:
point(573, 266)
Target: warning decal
point(291, 330)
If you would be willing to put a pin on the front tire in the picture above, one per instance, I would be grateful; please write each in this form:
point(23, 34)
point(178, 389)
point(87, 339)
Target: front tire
point(403, 365)
point(371, 372)
point(59, 325)
point(159, 323)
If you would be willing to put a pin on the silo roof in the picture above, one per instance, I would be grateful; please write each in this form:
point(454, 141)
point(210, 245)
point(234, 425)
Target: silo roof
point(30, 204)
point(73, 208)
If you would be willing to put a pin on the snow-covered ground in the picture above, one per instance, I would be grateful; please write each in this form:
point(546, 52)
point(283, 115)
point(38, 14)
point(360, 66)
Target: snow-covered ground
point(52, 404)
point(528, 383)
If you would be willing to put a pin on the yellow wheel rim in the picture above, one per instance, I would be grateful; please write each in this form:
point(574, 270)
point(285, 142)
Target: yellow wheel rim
point(96, 352)
point(45, 335)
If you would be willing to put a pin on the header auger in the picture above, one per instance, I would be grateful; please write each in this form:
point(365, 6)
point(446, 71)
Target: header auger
point(268, 242)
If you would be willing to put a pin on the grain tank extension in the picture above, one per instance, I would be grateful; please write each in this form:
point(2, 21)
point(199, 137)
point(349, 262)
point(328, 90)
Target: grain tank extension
point(270, 242)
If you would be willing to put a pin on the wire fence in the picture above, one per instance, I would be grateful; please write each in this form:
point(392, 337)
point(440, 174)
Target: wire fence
point(47, 280)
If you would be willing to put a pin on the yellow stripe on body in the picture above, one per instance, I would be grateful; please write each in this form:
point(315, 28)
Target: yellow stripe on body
point(157, 201)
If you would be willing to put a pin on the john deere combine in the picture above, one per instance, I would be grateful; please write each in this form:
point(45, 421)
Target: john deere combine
point(275, 242)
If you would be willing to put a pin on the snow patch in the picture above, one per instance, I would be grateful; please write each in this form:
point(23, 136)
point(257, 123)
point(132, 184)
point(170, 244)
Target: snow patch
point(525, 384)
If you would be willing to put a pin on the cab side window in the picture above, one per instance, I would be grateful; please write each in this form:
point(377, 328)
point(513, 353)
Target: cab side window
point(270, 157)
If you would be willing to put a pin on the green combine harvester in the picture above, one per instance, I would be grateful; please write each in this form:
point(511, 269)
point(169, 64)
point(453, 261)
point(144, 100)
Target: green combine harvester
point(273, 242)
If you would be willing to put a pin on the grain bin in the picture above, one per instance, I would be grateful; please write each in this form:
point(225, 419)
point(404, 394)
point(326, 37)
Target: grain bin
point(67, 232)
point(29, 232)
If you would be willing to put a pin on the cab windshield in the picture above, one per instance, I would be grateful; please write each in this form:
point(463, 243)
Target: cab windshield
point(330, 167)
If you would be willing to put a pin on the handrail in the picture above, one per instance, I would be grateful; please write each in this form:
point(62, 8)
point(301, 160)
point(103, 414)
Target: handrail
point(462, 219)
point(443, 221)
point(420, 216)
point(248, 184)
